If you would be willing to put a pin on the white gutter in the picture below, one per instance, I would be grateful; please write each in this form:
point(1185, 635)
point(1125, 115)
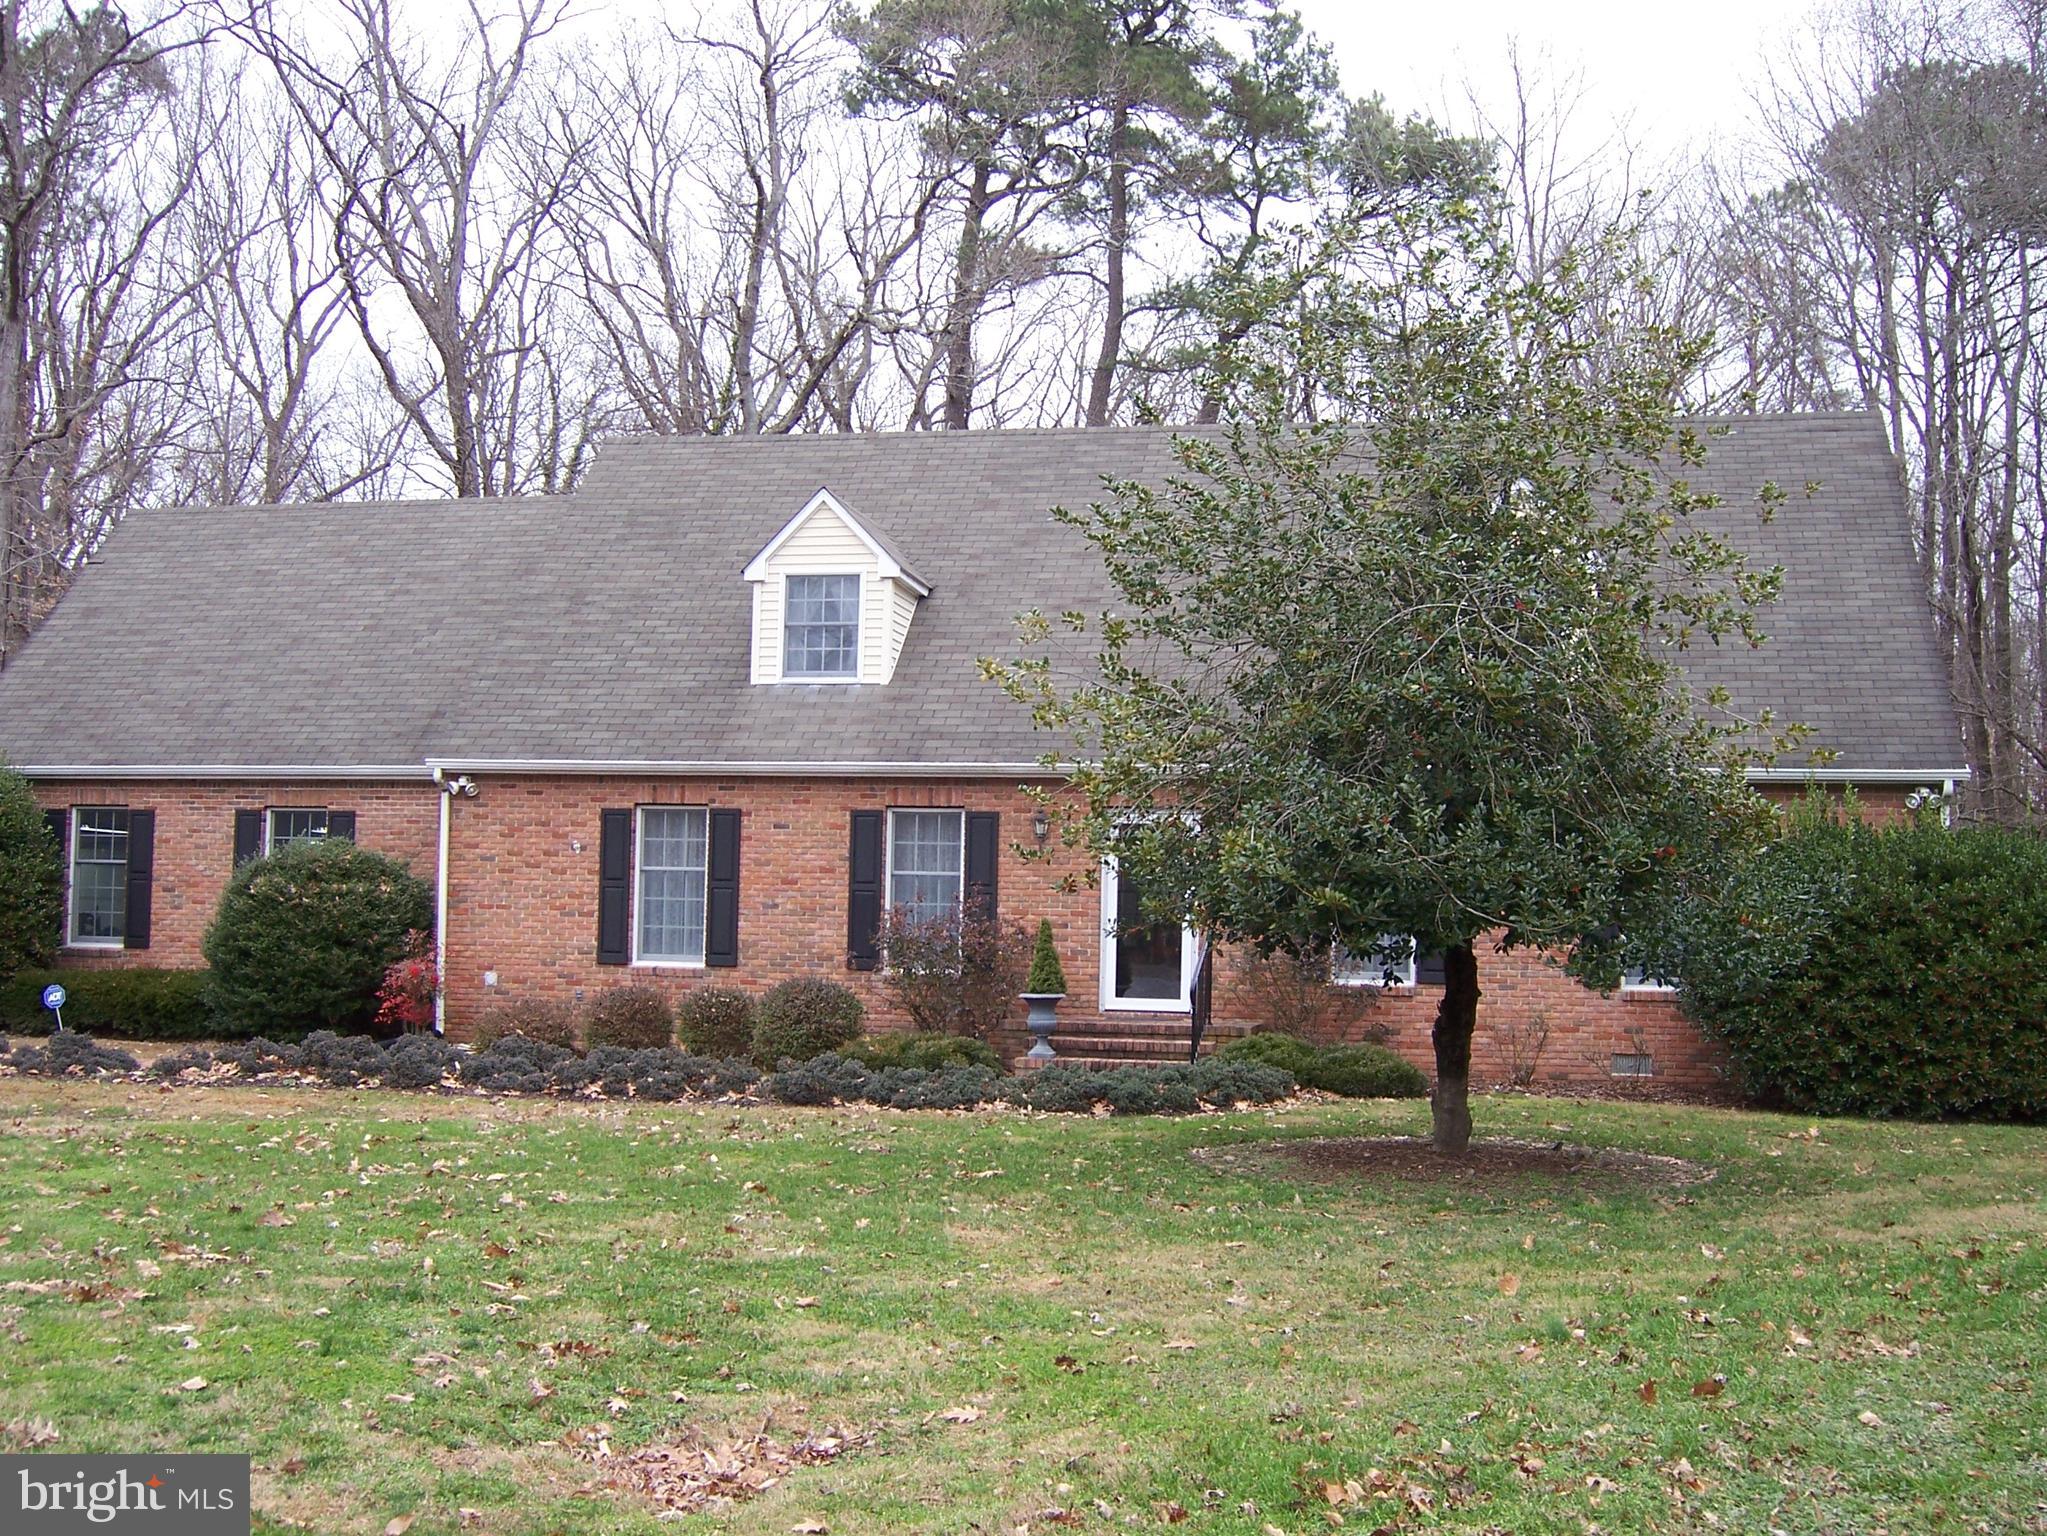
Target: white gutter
point(433, 768)
point(224, 771)
point(441, 916)
point(1855, 775)
point(784, 769)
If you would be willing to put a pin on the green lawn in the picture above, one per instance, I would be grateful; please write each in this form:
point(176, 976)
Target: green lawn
point(406, 1306)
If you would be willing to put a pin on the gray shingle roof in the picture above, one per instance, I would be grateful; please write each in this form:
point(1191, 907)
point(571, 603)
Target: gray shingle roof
point(613, 625)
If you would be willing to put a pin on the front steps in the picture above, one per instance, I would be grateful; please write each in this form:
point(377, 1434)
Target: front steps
point(1137, 1041)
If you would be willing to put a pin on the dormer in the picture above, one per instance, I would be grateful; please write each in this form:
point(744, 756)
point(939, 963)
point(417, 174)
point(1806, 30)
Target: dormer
point(832, 599)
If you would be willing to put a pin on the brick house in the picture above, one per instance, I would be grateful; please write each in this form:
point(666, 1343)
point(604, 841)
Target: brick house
point(703, 720)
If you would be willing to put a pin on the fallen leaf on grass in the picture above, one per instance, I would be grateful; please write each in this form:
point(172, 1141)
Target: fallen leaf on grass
point(192, 1384)
point(1183, 1345)
point(693, 1473)
point(1712, 1386)
point(1172, 1512)
point(399, 1525)
point(809, 1528)
point(965, 1414)
point(1867, 1419)
point(1648, 1393)
point(1528, 1354)
point(806, 1301)
point(1510, 1285)
point(540, 1391)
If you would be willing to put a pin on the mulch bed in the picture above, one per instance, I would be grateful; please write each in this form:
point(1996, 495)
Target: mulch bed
point(1499, 1163)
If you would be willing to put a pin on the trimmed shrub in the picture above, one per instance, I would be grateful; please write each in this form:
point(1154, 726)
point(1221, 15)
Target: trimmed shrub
point(1047, 976)
point(1290, 1053)
point(1355, 1071)
point(954, 975)
point(801, 1019)
point(134, 1002)
point(302, 939)
point(193, 1058)
point(31, 879)
point(716, 1021)
point(417, 1061)
point(926, 1052)
point(341, 1060)
point(71, 1054)
point(1898, 971)
point(836, 1079)
point(253, 1058)
point(513, 1065)
point(824, 1079)
point(631, 1018)
point(534, 1018)
point(1365, 1072)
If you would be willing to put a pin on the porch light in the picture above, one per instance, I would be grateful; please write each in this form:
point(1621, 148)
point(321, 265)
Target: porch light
point(1041, 825)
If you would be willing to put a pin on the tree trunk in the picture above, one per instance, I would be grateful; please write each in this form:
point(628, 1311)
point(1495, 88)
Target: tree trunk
point(1102, 386)
point(957, 344)
point(1456, 1017)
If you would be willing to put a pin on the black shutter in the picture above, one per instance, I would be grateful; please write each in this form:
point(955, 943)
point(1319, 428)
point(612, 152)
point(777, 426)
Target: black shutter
point(614, 888)
point(341, 824)
point(721, 905)
point(248, 836)
point(863, 892)
point(984, 855)
point(1428, 969)
point(141, 877)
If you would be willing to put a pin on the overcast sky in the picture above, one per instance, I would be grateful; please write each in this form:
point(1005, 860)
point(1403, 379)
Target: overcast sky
point(1681, 75)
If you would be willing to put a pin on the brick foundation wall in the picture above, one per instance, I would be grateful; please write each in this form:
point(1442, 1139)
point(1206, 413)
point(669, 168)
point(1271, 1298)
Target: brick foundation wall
point(195, 843)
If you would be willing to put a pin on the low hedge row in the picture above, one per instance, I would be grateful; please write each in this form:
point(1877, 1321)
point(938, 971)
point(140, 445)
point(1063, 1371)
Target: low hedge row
point(1354, 1071)
point(136, 1003)
point(522, 1066)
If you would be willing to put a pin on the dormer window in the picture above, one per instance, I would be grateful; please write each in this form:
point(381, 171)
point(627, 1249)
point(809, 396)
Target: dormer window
point(832, 599)
point(821, 627)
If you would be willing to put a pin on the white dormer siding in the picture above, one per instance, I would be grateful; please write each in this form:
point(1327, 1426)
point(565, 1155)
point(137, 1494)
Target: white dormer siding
point(825, 539)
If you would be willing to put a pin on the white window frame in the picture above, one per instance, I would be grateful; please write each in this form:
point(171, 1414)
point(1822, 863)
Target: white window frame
point(1645, 986)
point(859, 633)
point(1111, 888)
point(664, 963)
point(1374, 976)
point(71, 939)
point(888, 850)
point(271, 813)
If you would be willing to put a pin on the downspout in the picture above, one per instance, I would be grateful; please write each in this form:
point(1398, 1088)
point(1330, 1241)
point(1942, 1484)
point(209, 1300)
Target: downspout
point(441, 913)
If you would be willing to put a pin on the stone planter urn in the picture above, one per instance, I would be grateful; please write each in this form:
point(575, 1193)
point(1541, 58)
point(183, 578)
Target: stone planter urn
point(1042, 1017)
point(1042, 991)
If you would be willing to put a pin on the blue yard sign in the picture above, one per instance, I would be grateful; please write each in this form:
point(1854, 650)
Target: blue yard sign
point(53, 999)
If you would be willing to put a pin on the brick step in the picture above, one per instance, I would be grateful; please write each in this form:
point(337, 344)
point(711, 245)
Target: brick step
point(1146, 1029)
point(1124, 1045)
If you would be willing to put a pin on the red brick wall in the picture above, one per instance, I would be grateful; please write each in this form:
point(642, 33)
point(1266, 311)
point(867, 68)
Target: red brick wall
point(523, 905)
point(195, 843)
